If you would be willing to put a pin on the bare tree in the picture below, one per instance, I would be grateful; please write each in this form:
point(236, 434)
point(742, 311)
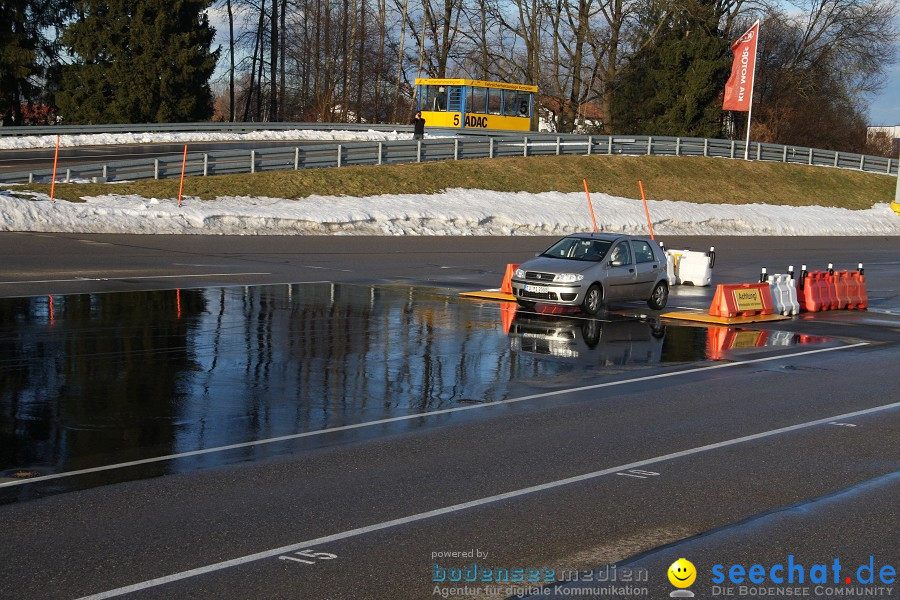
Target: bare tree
point(273, 63)
point(282, 66)
point(256, 49)
point(361, 61)
point(231, 61)
point(400, 59)
point(329, 57)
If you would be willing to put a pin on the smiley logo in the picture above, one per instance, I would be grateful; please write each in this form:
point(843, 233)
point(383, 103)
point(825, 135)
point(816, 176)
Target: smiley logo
point(682, 573)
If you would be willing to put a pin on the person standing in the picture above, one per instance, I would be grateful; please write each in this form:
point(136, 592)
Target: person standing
point(418, 126)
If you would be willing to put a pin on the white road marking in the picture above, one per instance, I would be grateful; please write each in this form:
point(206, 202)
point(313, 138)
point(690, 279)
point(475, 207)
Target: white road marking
point(130, 277)
point(639, 473)
point(324, 268)
point(884, 311)
point(305, 562)
point(471, 504)
point(296, 436)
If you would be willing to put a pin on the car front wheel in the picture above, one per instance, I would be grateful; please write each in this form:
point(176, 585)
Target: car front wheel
point(593, 300)
point(659, 297)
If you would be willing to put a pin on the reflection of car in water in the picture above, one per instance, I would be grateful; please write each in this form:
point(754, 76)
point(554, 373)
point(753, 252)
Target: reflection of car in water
point(628, 341)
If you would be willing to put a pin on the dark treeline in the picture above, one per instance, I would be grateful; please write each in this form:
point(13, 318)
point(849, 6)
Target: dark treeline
point(637, 66)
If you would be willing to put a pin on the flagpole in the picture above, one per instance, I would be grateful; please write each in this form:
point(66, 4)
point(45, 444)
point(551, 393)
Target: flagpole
point(752, 84)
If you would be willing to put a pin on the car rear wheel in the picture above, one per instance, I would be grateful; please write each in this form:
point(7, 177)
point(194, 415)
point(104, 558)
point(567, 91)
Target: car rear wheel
point(659, 297)
point(593, 300)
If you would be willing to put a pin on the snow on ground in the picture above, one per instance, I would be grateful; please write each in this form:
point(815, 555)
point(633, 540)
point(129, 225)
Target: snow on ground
point(452, 212)
point(155, 137)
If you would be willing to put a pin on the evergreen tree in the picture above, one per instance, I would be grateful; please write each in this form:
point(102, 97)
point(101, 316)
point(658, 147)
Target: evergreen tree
point(674, 86)
point(27, 53)
point(138, 61)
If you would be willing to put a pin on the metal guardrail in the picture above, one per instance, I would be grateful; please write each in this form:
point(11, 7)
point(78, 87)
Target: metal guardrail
point(344, 154)
point(217, 127)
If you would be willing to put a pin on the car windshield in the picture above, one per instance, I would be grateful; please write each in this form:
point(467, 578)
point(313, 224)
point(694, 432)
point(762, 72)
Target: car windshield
point(574, 248)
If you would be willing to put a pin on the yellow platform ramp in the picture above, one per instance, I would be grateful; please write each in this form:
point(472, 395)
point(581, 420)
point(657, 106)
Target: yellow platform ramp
point(702, 317)
point(490, 295)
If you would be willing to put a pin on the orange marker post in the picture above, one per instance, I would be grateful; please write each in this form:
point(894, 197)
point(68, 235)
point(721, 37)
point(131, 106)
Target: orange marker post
point(181, 185)
point(55, 160)
point(646, 210)
point(590, 206)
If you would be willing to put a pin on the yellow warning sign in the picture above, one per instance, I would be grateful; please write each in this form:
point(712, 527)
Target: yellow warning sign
point(746, 339)
point(748, 300)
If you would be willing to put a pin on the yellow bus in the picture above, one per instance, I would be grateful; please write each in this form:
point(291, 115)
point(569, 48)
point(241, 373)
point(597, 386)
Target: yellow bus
point(474, 104)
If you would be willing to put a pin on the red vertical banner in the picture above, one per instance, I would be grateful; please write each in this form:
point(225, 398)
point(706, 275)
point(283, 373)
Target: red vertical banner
point(739, 89)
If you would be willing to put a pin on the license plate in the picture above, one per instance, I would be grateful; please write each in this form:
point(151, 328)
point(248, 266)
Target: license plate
point(537, 289)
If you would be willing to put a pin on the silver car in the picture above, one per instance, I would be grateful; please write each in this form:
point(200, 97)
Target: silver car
point(588, 270)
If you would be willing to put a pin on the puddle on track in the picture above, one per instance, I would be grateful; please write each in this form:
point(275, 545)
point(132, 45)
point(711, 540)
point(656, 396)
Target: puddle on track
point(97, 379)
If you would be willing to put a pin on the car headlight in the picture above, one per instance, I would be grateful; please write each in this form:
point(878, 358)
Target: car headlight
point(567, 277)
point(520, 273)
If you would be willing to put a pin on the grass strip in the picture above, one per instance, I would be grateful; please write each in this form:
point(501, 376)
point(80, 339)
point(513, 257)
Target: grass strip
point(691, 179)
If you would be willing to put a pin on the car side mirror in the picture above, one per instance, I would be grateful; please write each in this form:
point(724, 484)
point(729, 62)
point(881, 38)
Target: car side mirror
point(538, 253)
point(616, 263)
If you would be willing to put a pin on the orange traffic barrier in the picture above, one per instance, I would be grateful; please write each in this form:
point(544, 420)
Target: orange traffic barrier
point(715, 342)
point(826, 295)
point(508, 315)
point(811, 339)
point(742, 299)
point(506, 286)
point(830, 289)
point(863, 294)
point(809, 292)
point(719, 340)
point(842, 289)
point(852, 289)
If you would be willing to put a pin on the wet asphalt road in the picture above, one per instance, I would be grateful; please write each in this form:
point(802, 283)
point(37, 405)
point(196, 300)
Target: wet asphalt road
point(636, 451)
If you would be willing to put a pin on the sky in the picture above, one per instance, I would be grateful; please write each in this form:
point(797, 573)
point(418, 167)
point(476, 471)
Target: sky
point(885, 108)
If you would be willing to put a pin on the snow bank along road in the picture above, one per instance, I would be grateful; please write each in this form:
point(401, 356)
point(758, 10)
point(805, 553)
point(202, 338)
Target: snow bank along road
point(452, 212)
